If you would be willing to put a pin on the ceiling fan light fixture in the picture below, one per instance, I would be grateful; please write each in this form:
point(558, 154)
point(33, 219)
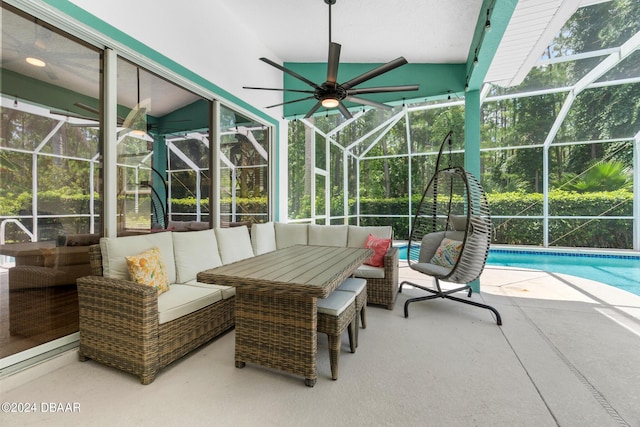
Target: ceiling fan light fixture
point(330, 102)
point(36, 62)
point(330, 94)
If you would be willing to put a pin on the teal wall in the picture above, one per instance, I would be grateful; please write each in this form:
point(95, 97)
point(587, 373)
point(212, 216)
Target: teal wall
point(435, 80)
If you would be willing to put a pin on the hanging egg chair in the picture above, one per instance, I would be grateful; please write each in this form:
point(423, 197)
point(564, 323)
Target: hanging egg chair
point(450, 234)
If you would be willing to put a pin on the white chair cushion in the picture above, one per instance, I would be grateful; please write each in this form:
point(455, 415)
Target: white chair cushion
point(353, 284)
point(458, 222)
point(369, 272)
point(263, 238)
point(357, 236)
point(431, 269)
point(328, 235)
point(227, 291)
point(181, 300)
point(115, 249)
point(290, 234)
point(194, 251)
point(336, 302)
point(234, 244)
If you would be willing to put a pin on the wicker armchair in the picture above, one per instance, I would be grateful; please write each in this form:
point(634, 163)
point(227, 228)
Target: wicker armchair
point(119, 324)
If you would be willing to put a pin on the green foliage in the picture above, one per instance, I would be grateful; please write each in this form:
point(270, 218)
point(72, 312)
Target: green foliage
point(603, 233)
point(603, 176)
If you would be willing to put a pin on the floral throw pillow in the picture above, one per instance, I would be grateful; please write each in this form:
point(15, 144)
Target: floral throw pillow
point(380, 247)
point(148, 269)
point(447, 253)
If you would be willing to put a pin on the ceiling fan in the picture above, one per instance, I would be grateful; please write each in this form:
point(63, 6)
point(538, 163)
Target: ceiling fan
point(331, 94)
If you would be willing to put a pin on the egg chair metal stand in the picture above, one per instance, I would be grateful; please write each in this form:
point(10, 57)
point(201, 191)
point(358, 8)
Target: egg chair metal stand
point(450, 234)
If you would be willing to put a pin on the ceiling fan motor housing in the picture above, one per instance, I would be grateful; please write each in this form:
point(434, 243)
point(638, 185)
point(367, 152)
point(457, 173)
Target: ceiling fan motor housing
point(330, 90)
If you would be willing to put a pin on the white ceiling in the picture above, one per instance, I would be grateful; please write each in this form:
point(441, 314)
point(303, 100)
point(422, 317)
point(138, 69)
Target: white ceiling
point(425, 31)
point(370, 31)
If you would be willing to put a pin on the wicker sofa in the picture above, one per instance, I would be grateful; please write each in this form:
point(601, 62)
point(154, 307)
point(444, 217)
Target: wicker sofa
point(382, 282)
point(129, 326)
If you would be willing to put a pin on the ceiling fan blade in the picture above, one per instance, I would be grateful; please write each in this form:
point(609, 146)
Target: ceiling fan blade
point(368, 102)
point(291, 73)
point(375, 72)
point(313, 110)
point(344, 111)
point(94, 110)
point(72, 114)
point(382, 89)
point(87, 107)
point(333, 62)
point(281, 90)
point(290, 102)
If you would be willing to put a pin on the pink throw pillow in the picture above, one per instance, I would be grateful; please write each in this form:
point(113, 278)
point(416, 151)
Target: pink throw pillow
point(380, 247)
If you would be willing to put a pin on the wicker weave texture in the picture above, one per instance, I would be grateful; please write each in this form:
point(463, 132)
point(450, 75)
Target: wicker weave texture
point(276, 303)
point(277, 331)
point(43, 303)
point(384, 291)
point(119, 326)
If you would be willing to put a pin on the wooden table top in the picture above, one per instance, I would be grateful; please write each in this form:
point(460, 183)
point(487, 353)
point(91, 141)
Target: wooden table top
point(310, 270)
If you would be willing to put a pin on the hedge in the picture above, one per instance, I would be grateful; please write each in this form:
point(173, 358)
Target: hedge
point(602, 233)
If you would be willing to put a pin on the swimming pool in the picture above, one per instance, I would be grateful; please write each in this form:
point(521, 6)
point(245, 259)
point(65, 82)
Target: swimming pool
point(621, 271)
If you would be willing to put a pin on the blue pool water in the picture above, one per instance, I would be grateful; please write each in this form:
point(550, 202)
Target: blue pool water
point(621, 271)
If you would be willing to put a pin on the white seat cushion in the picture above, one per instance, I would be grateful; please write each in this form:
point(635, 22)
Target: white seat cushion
point(263, 238)
point(115, 249)
point(431, 269)
point(357, 236)
point(353, 284)
point(336, 302)
point(328, 235)
point(234, 244)
point(227, 291)
point(369, 272)
point(194, 251)
point(290, 234)
point(181, 300)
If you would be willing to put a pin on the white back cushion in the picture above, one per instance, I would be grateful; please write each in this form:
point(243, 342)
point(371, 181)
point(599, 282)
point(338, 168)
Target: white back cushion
point(290, 234)
point(328, 235)
point(263, 238)
point(358, 235)
point(114, 249)
point(195, 251)
point(234, 244)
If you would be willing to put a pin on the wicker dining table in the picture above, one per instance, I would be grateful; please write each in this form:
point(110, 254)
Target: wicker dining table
point(276, 303)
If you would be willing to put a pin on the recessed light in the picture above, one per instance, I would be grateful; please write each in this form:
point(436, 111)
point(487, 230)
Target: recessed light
point(35, 61)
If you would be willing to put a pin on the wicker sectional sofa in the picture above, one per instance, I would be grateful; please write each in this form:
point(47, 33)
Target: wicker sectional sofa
point(129, 326)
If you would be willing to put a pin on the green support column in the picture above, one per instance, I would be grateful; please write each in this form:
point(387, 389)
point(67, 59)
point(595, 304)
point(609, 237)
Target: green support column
point(472, 143)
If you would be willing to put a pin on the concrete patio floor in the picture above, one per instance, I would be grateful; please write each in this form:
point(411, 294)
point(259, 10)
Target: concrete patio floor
point(567, 354)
